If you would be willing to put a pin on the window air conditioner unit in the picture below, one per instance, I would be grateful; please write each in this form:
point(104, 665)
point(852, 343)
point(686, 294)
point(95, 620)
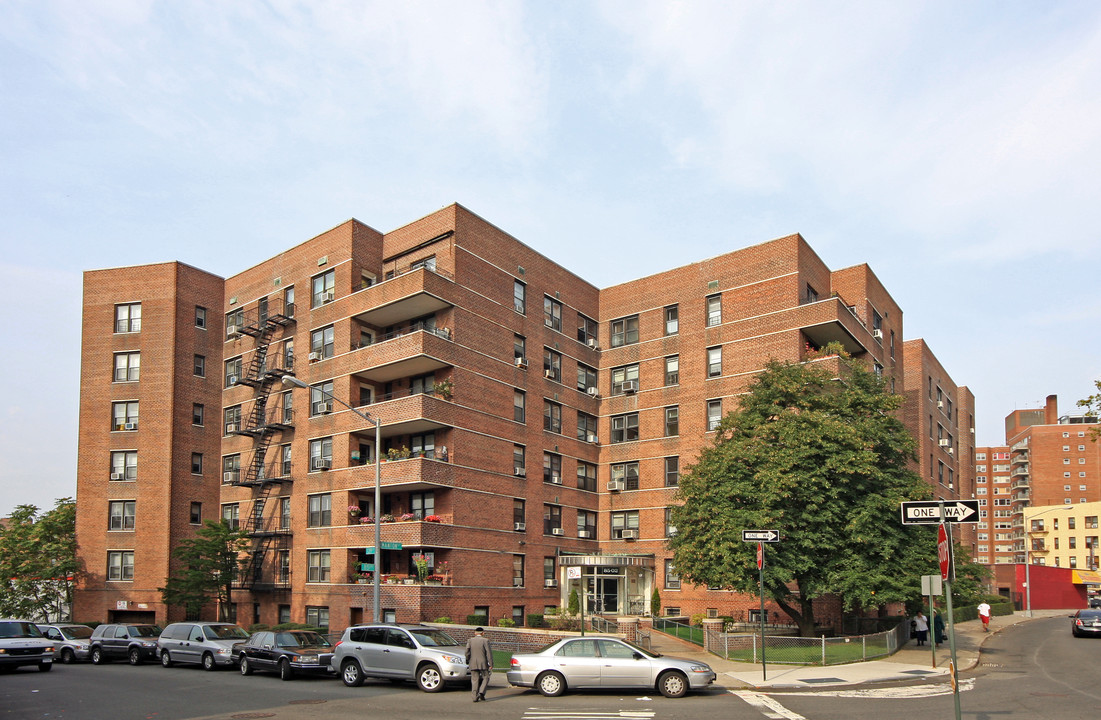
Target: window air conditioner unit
point(630, 386)
point(322, 463)
point(315, 356)
point(231, 428)
point(877, 334)
point(517, 582)
point(324, 408)
point(116, 476)
point(615, 485)
point(556, 531)
point(548, 373)
point(951, 451)
point(520, 472)
point(556, 479)
point(130, 426)
point(943, 442)
point(327, 296)
point(630, 534)
point(592, 438)
point(519, 527)
point(521, 362)
point(940, 403)
point(550, 582)
point(591, 342)
point(231, 380)
point(672, 530)
point(583, 534)
point(230, 477)
point(593, 391)
point(231, 330)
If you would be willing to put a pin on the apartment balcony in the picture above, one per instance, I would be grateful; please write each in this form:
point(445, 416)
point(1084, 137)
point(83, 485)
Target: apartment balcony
point(831, 320)
point(411, 414)
point(410, 533)
point(1021, 446)
point(1017, 484)
point(1019, 472)
point(406, 353)
point(1019, 458)
point(1021, 495)
point(411, 295)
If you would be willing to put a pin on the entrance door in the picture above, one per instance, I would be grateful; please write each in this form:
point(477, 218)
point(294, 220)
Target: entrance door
point(608, 593)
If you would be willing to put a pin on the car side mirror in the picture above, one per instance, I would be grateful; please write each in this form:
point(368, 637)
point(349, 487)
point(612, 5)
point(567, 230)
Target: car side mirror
point(639, 656)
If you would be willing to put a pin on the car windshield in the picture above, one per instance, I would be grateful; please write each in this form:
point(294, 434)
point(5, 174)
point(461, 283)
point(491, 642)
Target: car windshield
point(145, 631)
point(18, 629)
point(76, 633)
point(224, 632)
point(299, 639)
point(432, 638)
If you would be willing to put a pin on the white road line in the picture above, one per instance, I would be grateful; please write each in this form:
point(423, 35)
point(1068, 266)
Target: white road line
point(769, 707)
point(540, 714)
point(912, 691)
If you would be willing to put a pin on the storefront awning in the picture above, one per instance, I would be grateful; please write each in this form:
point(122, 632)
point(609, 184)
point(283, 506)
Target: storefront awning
point(1085, 577)
point(646, 561)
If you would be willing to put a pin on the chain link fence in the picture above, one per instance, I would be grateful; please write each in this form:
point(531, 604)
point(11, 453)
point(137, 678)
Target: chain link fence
point(792, 650)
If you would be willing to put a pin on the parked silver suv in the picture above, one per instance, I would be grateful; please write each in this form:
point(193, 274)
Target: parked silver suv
point(426, 655)
point(209, 644)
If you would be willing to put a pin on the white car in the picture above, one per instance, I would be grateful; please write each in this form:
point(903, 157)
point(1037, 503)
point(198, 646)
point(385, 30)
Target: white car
point(22, 643)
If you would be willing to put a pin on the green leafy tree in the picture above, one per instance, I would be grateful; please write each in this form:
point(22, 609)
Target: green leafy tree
point(38, 562)
point(209, 565)
point(655, 603)
point(1092, 406)
point(573, 606)
point(816, 452)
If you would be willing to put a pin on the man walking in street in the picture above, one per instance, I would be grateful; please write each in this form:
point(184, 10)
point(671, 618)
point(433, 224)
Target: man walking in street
point(479, 658)
point(984, 615)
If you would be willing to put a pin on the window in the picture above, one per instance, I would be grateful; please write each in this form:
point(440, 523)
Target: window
point(422, 504)
point(519, 350)
point(672, 370)
point(320, 398)
point(624, 379)
point(196, 463)
point(586, 427)
point(627, 473)
point(625, 331)
point(321, 454)
point(198, 414)
point(1071, 523)
point(519, 464)
point(121, 515)
point(423, 445)
point(518, 405)
point(672, 324)
point(519, 295)
point(318, 566)
point(812, 294)
point(714, 308)
point(714, 414)
point(552, 313)
point(672, 580)
point(586, 378)
point(200, 366)
point(128, 318)
point(552, 365)
point(714, 362)
point(231, 420)
point(625, 428)
point(231, 515)
point(120, 565)
point(672, 421)
point(624, 520)
point(318, 616)
point(586, 476)
point(124, 415)
point(586, 524)
point(233, 371)
point(550, 576)
point(200, 317)
point(124, 465)
point(552, 519)
point(672, 471)
point(428, 263)
point(586, 330)
point(552, 468)
point(127, 366)
point(286, 461)
point(517, 571)
point(552, 417)
point(321, 343)
point(235, 319)
point(320, 510)
point(324, 288)
point(518, 510)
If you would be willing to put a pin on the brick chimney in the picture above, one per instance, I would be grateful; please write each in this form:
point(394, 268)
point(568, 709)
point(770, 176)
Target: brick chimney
point(1051, 410)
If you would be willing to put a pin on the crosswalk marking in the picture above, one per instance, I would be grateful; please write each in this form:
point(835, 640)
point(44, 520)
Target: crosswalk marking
point(768, 707)
point(541, 714)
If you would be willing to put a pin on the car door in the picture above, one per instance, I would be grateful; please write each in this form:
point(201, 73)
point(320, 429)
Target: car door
point(370, 653)
point(623, 666)
point(399, 657)
point(118, 642)
point(579, 663)
point(254, 650)
point(191, 645)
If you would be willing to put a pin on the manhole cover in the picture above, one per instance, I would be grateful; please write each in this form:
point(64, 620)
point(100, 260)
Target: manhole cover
point(306, 702)
point(245, 716)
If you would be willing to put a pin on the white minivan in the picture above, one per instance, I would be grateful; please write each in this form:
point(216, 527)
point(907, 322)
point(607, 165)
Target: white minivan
point(209, 644)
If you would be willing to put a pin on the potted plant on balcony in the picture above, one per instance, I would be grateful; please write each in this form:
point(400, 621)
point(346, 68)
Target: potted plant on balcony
point(433, 519)
point(366, 520)
point(443, 569)
point(397, 453)
point(420, 561)
point(406, 517)
point(387, 518)
point(443, 388)
point(434, 580)
point(354, 511)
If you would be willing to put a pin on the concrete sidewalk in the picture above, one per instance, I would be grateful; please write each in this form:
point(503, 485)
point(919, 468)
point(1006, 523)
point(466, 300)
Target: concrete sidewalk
point(909, 663)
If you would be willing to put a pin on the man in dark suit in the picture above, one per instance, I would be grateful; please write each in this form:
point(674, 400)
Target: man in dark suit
point(479, 657)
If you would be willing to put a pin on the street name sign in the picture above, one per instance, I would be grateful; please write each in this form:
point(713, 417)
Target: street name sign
point(370, 549)
point(760, 536)
point(927, 512)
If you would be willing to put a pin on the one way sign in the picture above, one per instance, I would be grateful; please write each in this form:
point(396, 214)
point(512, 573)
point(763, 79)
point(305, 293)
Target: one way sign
point(927, 512)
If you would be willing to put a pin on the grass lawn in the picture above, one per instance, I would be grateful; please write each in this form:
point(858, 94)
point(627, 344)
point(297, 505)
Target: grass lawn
point(811, 654)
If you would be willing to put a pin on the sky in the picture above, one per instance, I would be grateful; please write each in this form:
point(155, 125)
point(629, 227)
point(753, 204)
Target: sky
point(952, 146)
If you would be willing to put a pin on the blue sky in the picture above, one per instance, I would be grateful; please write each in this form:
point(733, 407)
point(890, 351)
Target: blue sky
point(952, 146)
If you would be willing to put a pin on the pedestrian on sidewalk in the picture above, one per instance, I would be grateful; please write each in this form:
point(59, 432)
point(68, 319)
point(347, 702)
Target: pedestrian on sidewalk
point(938, 627)
point(921, 628)
point(479, 658)
point(984, 615)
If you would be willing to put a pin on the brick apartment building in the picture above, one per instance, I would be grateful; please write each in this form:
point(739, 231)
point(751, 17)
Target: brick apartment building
point(530, 422)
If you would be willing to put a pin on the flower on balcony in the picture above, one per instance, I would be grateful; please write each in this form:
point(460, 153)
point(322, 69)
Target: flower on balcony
point(366, 520)
point(420, 561)
point(405, 517)
point(386, 518)
point(435, 578)
point(354, 509)
point(443, 567)
point(433, 518)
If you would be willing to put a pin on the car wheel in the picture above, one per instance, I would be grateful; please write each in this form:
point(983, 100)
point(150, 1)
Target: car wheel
point(351, 673)
point(134, 656)
point(429, 678)
point(97, 656)
point(550, 684)
point(166, 661)
point(672, 684)
point(286, 672)
point(67, 656)
point(208, 662)
point(246, 667)
point(45, 666)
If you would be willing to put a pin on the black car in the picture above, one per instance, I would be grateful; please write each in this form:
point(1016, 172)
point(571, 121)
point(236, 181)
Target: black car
point(135, 642)
point(287, 651)
point(1086, 622)
point(1095, 601)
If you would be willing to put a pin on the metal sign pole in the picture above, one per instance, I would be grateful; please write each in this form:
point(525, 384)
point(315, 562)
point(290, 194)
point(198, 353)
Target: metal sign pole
point(949, 576)
point(761, 570)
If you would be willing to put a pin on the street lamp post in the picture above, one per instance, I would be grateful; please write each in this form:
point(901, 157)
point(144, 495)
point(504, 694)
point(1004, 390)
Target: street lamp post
point(295, 382)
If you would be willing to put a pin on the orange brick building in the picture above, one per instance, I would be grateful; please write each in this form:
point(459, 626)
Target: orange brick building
point(531, 423)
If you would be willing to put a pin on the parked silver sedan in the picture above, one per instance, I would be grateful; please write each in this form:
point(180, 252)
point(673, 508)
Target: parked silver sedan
point(576, 663)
